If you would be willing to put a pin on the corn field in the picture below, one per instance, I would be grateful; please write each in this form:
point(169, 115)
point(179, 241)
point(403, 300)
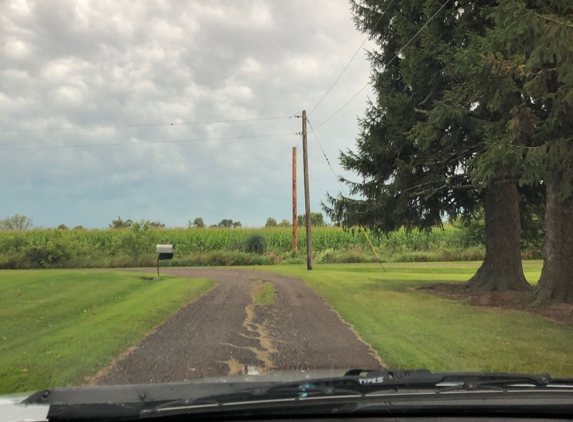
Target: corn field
point(53, 248)
point(217, 239)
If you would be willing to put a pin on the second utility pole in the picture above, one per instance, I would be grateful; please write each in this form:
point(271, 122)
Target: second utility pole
point(306, 195)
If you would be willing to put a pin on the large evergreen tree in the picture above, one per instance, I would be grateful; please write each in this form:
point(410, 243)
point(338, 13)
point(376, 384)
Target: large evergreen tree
point(541, 48)
point(406, 182)
point(551, 84)
point(417, 149)
point(488, 98)
point(522, 72)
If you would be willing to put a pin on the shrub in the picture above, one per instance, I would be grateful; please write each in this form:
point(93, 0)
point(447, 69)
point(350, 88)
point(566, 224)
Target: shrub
point(13, 261)
point(255, 243)
point(220, 258)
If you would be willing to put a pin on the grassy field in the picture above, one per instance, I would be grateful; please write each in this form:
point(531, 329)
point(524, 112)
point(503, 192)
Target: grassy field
point(49, 318)
point(411, 329)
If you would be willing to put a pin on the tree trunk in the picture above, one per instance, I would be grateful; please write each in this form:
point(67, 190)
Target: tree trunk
point(556, 282)
point(501, 269)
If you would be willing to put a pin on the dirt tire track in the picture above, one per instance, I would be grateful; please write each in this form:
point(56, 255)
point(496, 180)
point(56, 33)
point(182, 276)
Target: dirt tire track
point(206, 337)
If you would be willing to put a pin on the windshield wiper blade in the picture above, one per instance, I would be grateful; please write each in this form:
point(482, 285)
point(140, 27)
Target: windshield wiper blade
point(260, 393)
point(355, 384)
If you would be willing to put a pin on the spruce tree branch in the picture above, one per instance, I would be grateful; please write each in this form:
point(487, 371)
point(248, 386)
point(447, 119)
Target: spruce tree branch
point(547, 18)
point(445, 186)
point(553, 69)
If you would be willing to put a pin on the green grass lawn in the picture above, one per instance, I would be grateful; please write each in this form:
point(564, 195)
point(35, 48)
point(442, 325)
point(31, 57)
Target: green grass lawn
point(58, 326)
point(411, 329)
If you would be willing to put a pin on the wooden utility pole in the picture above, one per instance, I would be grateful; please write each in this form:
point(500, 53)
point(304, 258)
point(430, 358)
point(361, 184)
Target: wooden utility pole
point(306, 195)
point(294, 209)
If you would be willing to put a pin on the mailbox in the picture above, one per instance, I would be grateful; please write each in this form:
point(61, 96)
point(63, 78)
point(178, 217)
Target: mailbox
point(163, 252)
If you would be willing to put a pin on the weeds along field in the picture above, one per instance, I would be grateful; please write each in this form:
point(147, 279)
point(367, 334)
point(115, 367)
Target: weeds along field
point(53, 248)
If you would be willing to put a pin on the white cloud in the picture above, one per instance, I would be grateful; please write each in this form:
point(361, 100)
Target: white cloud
point(98, 63)
point(16, 48)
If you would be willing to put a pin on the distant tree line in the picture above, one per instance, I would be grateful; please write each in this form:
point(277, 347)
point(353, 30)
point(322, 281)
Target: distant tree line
point(21, 222)
point(199, 223)
point(16, 223)
point(145, 224)
point(316, 220)
point(271, 223)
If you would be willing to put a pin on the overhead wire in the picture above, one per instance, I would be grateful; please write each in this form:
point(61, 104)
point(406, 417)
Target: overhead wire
point(144, 142)
point(143, 125)
point(351, 60)
point(343, 191)
point(325, 157)
point(353, 97)
point(385, 65)
point(345, 104)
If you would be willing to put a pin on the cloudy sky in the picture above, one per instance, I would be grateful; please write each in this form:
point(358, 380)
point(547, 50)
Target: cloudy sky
point(89, 89)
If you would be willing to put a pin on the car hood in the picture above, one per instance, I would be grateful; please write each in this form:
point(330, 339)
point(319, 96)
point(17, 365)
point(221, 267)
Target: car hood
point(12, 409)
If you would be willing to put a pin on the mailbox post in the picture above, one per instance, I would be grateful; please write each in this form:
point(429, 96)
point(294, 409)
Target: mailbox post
point(163, 252)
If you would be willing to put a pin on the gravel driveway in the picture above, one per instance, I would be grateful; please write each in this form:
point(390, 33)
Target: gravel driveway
point(225, 333)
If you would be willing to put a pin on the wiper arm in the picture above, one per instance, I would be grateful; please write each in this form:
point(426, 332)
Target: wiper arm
point(500, 384)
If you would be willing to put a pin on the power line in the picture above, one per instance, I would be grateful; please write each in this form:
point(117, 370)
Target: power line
point(143, 125)
point(390, 61)
point(342, 191)
point(345, 104)
point(348, 64)
point(325, 157)
point(145, 142)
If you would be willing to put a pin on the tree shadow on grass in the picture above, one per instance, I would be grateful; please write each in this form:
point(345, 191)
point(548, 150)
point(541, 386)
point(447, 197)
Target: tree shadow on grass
point(561, 313)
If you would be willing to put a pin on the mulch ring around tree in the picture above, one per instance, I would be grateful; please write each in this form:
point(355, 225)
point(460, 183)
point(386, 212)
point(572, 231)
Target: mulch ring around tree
point(561, 313)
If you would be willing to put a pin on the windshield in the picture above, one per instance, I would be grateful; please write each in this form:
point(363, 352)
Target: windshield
point(198, 190)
